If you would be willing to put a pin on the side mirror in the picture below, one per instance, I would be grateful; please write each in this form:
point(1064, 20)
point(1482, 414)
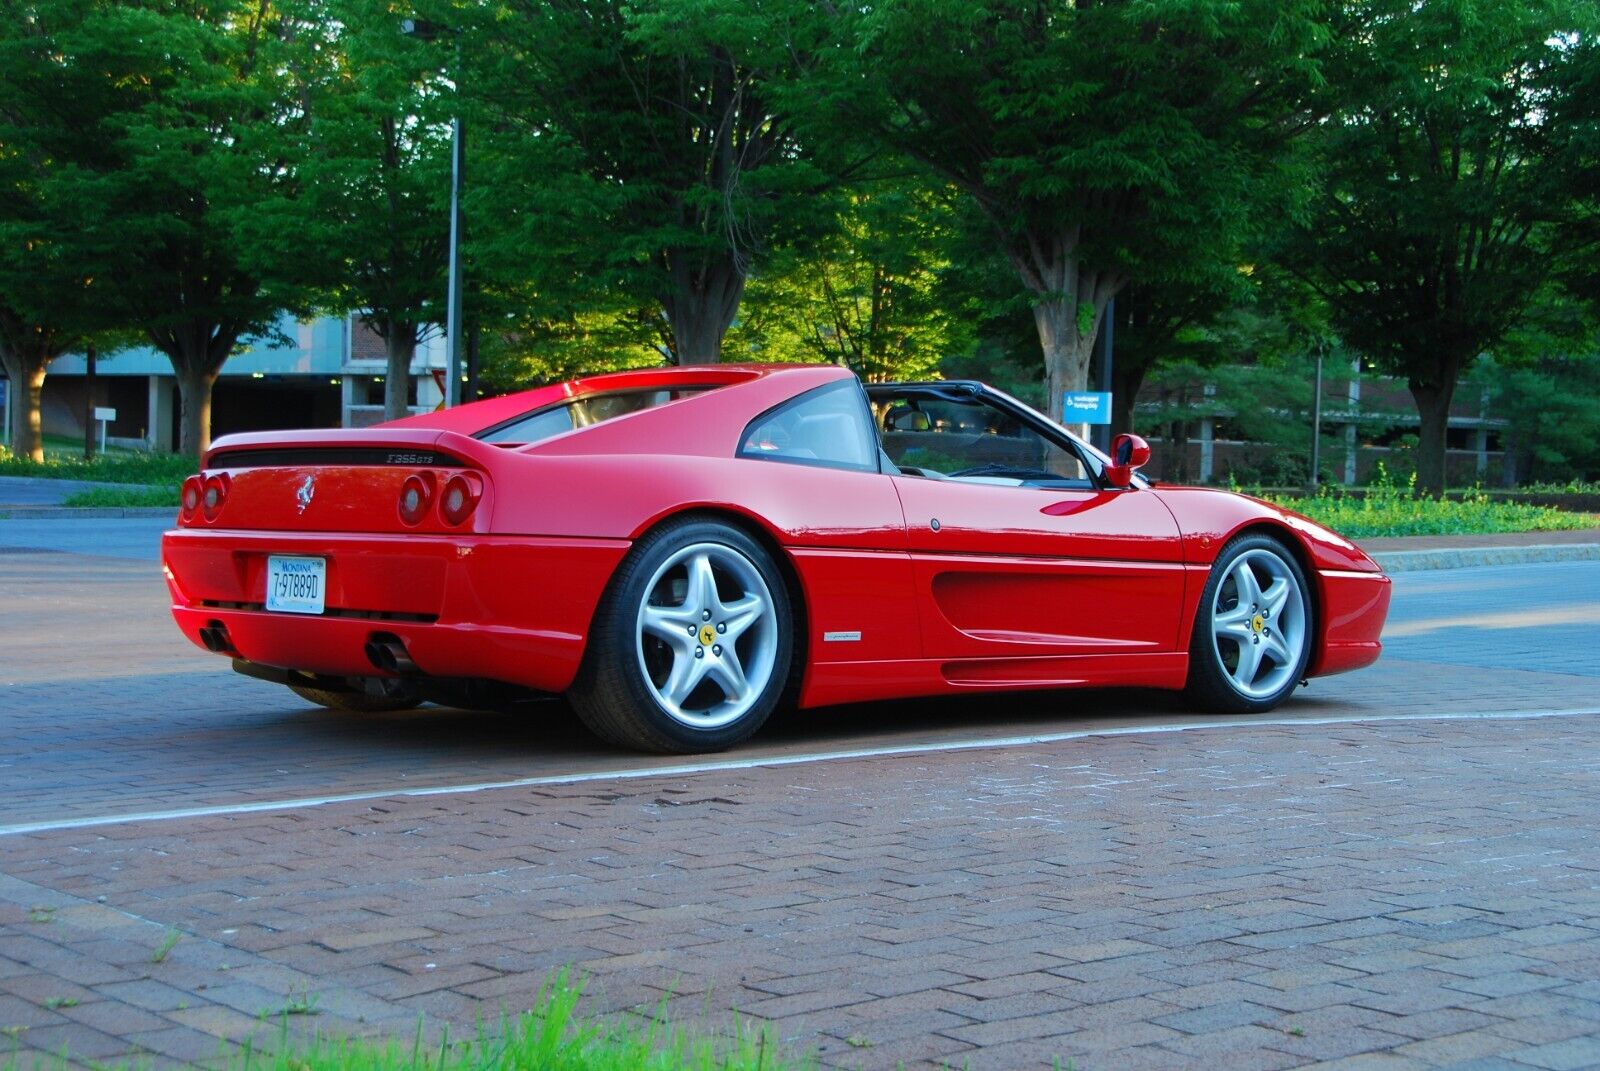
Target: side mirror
point(1129, 453)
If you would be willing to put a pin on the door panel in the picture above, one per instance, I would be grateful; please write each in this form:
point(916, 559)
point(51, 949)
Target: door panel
point(1017, 571)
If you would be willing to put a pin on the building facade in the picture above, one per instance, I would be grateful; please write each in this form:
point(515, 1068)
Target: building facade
point(331, 374)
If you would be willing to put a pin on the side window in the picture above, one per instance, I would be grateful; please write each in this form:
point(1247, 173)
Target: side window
point(828, 426)
point(968, 439)
point(532, 429)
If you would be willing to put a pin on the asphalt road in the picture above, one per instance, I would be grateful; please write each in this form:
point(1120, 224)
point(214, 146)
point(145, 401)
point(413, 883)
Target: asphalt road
point(108, 711)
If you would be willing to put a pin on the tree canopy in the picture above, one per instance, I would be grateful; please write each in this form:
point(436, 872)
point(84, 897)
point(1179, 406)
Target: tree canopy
point(1446, 190)
point(910, 188)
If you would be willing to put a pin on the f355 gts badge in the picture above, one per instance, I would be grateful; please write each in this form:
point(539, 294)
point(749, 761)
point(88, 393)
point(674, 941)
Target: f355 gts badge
point(302, 497)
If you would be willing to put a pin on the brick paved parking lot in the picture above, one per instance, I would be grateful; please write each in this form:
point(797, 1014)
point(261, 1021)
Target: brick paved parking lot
point(1265, 893)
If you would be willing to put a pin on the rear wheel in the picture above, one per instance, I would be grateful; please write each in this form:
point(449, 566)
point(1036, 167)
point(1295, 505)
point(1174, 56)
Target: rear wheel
point(692, 644)
point(375, 694)
point(1252, 632)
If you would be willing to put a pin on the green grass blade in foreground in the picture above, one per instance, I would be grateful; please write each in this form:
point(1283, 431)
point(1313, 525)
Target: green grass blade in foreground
point(552, 1036)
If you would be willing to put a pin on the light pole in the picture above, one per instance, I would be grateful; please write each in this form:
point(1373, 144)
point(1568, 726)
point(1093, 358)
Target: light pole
point(1100, 435)
point(427, 31)
point(1316, 427)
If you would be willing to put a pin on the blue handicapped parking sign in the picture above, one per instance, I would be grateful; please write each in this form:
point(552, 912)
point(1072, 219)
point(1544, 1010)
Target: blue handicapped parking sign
point(1086, 407)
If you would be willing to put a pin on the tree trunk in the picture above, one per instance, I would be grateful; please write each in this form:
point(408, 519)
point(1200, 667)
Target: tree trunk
point(194, 392)
point(1067, 352)
point(400, 343)
point(706, 288)
point(1433, 406)
point(1510, 462)
point(26, 372)
point(197, 349)
point(90, 356)
point(1069, 307)
point(1126, 380)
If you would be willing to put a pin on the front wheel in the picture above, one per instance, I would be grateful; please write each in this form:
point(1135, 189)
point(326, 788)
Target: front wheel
point(692, 645)
point(1252, 632)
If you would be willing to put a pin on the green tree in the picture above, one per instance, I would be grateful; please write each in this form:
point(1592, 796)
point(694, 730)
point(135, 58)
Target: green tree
point(1100, 138)
point(1449, 182)
point(51, 296)
point(366, 216)
point(635, 145)
point(869, 294)
point(190, 144)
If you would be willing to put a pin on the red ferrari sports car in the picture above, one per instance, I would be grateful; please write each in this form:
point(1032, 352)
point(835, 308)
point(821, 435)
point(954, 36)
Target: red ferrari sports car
point(681, 550)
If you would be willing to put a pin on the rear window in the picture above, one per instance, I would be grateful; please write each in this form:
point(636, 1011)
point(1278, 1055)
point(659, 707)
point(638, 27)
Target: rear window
point(553, 420)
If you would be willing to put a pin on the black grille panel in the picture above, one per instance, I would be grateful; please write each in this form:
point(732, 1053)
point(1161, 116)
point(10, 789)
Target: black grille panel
point(332, 611)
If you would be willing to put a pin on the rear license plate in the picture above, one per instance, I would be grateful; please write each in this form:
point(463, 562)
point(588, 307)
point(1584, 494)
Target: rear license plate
point(296, 585)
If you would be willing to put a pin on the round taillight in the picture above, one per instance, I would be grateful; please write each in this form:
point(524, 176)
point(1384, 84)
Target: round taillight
point(416, 495)
point(214, 494)
point(191, 496)
point(459, 498)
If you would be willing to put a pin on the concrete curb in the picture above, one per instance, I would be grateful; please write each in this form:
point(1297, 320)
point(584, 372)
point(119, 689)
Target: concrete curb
point(1406, 561)
point(57, 513)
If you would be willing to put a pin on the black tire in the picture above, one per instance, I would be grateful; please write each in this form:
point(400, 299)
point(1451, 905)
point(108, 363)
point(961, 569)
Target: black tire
point(377, 695)
point(616, 693)
point(1213, 684)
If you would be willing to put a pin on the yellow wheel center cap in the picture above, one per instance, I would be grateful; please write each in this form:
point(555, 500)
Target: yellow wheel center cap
point(1258, 623)
point(708, 635)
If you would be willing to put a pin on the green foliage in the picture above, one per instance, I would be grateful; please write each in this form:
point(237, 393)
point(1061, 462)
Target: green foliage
point(173, 140)
point(52, 292)
point(530, 349)
point(136, 498)
point(1102, 142)
point(552, 1036)
point(1447, 185)
point(871, 293)
point(366, 214)
point(1390, 509)
point(633, 153)
point(158, 470)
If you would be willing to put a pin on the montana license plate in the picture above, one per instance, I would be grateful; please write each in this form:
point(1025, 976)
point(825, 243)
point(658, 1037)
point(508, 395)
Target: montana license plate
point(296, 585)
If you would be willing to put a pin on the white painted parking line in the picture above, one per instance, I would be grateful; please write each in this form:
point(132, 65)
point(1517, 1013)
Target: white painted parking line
point(766, 761)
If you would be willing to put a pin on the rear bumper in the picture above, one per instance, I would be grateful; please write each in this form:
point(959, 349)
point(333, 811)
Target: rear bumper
point(513, 609)
point(1354, 606)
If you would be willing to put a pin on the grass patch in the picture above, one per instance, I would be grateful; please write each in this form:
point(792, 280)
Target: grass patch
point(164, 949)
point(126, 497)
point(550, 1037)
point(119, 467)
point(1388, 509)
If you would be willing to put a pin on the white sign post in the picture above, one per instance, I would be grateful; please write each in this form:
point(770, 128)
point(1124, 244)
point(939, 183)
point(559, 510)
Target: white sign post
point(103, 416)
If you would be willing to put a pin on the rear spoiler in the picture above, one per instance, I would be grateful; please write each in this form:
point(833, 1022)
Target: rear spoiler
point(399, 446)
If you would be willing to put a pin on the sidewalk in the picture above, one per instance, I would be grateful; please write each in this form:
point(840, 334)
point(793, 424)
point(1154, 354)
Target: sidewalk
point(1405, 553)
point(33, 497)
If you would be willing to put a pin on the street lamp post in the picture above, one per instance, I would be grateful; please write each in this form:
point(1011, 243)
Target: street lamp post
point(1316, 427)
point(427, 31)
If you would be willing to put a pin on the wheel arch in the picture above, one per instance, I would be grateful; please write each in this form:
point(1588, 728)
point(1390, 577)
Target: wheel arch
point(1283, 534)
point(768, 540)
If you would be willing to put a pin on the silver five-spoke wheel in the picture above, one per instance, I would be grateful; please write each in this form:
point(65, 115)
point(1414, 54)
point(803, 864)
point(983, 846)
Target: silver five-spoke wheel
point(707, 636)
point(1258, 623)
point(693, 643)
point(1252, 632)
